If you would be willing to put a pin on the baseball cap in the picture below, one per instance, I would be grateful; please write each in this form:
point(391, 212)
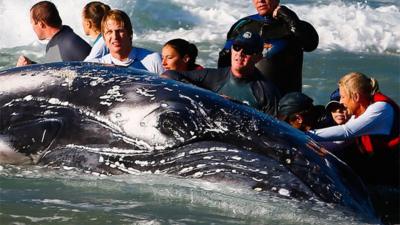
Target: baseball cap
point(334, 100)
point(294, 102)
point(250, 41)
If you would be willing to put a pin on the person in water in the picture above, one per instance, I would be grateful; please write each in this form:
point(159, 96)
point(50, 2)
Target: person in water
point(92, 14)
point(180, 55)
point(285, 38)
point(242, 82)
point(117, 32)
point(375, 126)
point(64, 44)
point(298, 110)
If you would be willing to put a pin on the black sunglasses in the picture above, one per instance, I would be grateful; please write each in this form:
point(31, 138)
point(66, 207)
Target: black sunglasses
point(246, 50)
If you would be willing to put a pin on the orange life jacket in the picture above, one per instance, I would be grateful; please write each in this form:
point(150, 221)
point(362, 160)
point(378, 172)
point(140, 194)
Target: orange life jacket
point(371, 143)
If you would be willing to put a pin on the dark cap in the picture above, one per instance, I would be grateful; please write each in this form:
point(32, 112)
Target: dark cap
point(334, 99)
point(294, 102)
point(250, 40)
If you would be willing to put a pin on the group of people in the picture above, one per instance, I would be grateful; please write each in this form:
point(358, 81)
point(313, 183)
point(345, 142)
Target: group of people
point(260, 65)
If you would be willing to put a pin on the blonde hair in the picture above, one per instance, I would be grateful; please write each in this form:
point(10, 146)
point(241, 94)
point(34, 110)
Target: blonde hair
point(118, 16)
point(356, 82)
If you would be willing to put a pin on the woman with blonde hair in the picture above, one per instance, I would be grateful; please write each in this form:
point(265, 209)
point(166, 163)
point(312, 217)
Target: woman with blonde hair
point(375, 124)
point(92, 14)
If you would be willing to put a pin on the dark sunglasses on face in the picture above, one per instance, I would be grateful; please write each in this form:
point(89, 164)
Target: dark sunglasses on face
point(246, 50)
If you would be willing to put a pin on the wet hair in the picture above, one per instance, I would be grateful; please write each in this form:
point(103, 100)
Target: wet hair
point(120, 17)
point(183, 47)
point(356, 82)
point(47, 12)
point(94, 11)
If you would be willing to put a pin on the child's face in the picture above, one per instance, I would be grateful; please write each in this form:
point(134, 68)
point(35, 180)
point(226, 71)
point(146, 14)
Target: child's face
point(339, 114)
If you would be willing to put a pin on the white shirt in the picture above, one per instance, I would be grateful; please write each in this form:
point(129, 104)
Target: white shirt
point(377, 119)
point(99, 49)
point(139, 58)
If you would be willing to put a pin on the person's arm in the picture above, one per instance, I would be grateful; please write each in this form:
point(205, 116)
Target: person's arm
point(153, 63)
point(377, 119)
point(304, 32)
point(268, 96)
point(194, 76)
point(23, 61)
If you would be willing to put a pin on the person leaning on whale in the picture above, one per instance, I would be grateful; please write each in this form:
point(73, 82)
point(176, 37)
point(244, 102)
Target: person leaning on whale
point(242, 81)
point(64, 44)
point(117, 31)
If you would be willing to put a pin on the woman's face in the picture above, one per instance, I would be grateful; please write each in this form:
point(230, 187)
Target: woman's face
point(348, 101)
point(171, 60)
point(339, 114)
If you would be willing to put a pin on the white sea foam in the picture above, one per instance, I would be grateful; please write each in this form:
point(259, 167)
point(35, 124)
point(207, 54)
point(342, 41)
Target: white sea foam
point(344, 25)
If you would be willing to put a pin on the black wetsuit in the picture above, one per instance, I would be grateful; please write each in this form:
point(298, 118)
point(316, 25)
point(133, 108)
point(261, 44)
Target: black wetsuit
point(254, 91)
point(287, 37)
point(66, 46)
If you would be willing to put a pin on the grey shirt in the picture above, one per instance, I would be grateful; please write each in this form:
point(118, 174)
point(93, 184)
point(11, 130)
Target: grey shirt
point(66, 46)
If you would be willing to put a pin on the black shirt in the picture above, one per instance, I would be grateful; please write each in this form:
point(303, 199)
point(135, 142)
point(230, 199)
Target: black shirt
point(66, 46)
point(254, 91)
point(286, 37)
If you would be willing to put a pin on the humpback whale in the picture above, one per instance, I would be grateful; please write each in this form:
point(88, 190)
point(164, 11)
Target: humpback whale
point(112, 120)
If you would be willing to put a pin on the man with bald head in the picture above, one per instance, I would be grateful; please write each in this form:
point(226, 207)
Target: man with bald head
point(285, 38)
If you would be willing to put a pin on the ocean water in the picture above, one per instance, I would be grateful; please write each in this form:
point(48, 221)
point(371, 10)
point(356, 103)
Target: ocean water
point(355, 35)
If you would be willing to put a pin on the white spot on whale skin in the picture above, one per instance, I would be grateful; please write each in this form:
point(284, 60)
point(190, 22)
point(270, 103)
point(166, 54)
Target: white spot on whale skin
point(28, 98)
point(168, 89)
point(68, 168)
point(198, 174)
point(185, 170)
point(106, 103)
point(101, 159)
point(236, 158)
point(258, 189)
point(284, 192)
point(141, 163)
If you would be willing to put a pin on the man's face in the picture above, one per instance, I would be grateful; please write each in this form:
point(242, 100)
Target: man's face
point(37, 28)
point(265, 7)
point(242, 59)
point(117, 38)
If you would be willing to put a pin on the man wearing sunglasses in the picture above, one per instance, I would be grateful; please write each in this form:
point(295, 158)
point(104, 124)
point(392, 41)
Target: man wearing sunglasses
point(242, 81)
point(285, 38)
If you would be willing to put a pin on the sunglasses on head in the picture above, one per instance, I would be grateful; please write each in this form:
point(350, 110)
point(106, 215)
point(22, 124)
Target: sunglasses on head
point(246, 50)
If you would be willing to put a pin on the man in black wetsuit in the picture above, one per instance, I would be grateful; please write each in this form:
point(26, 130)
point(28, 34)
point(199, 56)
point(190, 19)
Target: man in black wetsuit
point(242, 82)
point(285, 38)
point(64, 44)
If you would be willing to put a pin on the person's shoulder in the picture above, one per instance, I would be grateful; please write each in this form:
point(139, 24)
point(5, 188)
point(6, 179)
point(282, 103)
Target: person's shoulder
point(254, 17)
point(142, 53)
point(139, 50)
point(380, 106)
point(69, 35)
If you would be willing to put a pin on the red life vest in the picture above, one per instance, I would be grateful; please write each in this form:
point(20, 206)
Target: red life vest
point(372, 143)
